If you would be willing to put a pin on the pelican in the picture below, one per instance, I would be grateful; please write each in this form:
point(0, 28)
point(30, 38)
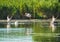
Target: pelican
point(16, 23)
point(52, 24)
point(8, 19)
point(28, 15)
point(8, 22)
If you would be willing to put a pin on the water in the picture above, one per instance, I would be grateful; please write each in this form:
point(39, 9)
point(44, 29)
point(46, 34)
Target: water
point(26, 35)
point(36, 32)
point(15, 35)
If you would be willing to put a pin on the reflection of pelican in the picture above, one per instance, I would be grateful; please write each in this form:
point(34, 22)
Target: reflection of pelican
point(28, 31)
point(8, 25)
point(16, 23)
point(52, 24)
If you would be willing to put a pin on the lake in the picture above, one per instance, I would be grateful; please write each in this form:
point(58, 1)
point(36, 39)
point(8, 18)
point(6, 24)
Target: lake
point(31, 32)
point(15, 35)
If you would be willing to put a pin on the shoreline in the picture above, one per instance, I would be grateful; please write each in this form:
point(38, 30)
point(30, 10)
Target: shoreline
point(31, 20)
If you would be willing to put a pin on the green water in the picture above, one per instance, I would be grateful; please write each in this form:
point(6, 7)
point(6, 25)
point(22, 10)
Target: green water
point(43, 33)
point(34, 32)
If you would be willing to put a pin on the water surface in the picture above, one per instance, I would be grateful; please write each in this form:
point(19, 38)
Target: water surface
point(15, 35)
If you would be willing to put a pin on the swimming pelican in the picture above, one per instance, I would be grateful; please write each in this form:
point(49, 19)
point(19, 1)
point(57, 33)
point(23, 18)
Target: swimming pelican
point(16, 23)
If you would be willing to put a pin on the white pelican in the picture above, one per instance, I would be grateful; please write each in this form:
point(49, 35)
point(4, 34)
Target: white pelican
point(8, 22)
point(52, 23)
point(28, 15)
point(8, 19)
point(16, 23)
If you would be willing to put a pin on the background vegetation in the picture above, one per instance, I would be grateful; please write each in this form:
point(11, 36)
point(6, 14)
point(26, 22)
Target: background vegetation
point(37, 8)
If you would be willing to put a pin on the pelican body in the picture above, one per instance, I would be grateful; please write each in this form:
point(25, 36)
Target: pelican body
point(52, 24)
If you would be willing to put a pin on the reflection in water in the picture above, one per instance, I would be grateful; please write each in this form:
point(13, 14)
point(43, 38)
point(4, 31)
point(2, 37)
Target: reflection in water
point(25, 34)
point(44, 34)
point(8, 27)
point(15, 35)
point(46, 37)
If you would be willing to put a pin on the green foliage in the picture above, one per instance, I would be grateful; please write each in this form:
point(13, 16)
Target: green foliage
point(41, 8)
